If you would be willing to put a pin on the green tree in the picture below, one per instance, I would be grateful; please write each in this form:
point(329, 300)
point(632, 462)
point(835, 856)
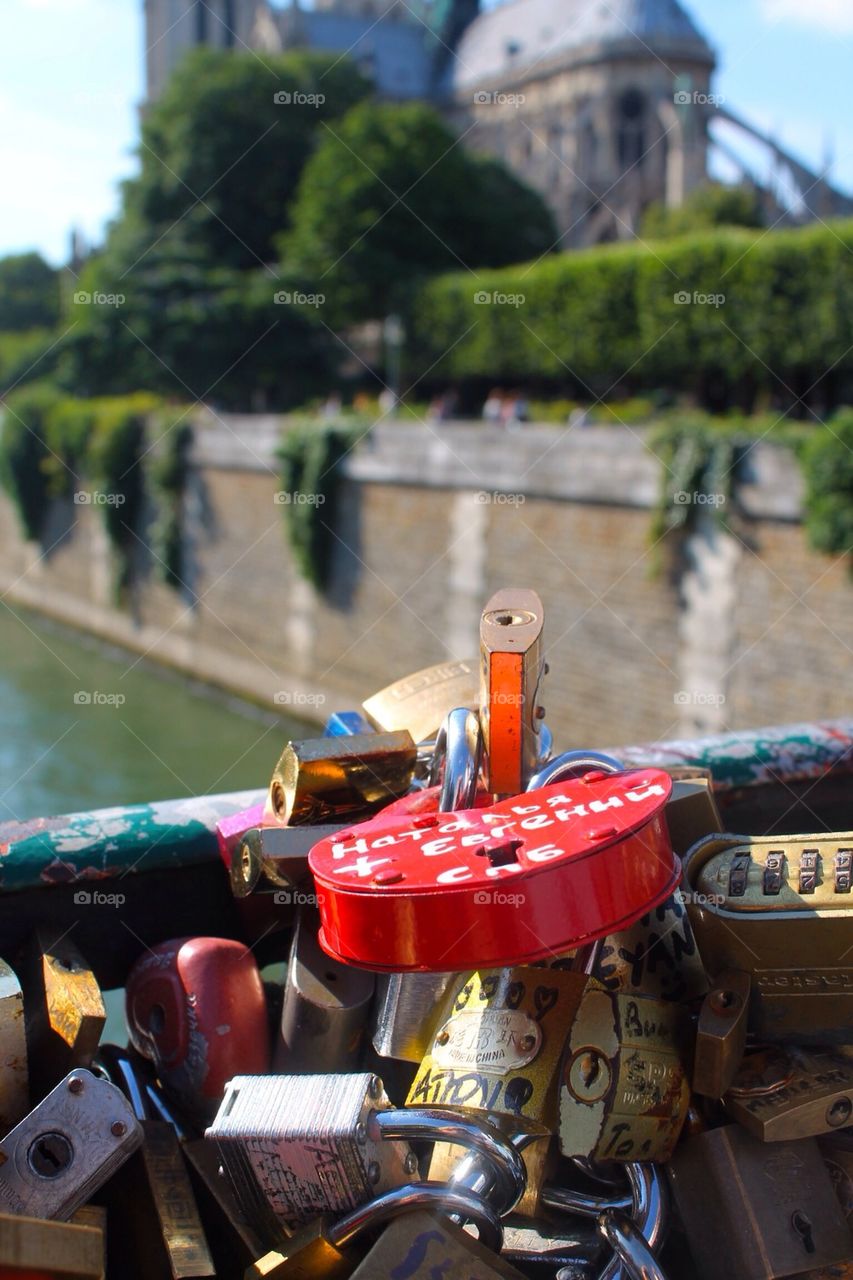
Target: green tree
point(391, 195)
point(225, 145)
point(714, 204)
point(29, 293)
point(828, 465)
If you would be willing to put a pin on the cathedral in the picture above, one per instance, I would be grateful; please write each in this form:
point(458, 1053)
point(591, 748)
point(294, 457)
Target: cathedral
point(603, 106)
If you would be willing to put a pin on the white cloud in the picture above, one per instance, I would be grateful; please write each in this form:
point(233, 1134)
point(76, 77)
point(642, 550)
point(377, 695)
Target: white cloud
point(835, 16)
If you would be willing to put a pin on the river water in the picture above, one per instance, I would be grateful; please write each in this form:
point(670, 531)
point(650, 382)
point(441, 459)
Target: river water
point(84, 725)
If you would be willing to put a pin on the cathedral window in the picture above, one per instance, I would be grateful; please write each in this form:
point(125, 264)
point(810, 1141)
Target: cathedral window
point(630, 135)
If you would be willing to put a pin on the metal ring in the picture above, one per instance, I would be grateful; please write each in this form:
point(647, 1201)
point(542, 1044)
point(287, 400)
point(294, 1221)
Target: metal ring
point(567, 1200)
point(572, 764)
point(437, 1124)
point(648, 1213)
point(417, 1195)
point(460, 745)
point(631, 1250)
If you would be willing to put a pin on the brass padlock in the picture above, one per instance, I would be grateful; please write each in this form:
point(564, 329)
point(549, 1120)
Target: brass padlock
point(422, 1247)
point(158, 1230)
point(329, 1249)
point(329, 779)
point(420, 701)
point(497, 1050)
point(624, 1092)
point(781, 1094)
point(779, 909)
point(51, 1250)
point(64, 1012)
point(756, 1210)
point(721, 1034)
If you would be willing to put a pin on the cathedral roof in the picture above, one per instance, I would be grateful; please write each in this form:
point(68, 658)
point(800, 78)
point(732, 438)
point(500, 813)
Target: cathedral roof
point(504, 42)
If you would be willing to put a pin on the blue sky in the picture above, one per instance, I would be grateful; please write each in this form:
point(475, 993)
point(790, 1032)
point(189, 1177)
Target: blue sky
point(71, 79)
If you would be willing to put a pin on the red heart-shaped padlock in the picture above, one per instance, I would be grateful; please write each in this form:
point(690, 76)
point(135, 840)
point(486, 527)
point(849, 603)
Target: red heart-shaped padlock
point(515, 882)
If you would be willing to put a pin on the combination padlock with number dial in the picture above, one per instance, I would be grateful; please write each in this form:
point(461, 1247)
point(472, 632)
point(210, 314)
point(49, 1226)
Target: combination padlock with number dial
point(521, 880)
point(781, 910)
point(624, 1092)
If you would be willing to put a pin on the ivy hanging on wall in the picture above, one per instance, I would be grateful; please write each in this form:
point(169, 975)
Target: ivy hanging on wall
point(700, 460)
point(310, 455)
point(168, 476)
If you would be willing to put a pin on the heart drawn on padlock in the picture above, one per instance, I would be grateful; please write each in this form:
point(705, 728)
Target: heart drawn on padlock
point(518, 881)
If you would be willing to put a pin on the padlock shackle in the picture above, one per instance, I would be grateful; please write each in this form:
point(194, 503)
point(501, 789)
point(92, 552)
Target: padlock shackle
point(420, 1195)
point(649, 1219)
point(631, 1251)
point(572, 764)
point(439, 1124)
point(459, 745)
point(584, 1204)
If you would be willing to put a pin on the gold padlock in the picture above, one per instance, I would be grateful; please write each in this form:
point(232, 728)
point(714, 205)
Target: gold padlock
point(419, 702)
point(624, 1092)
point(328, 779)
point(779, 909)
point(64, 1012)
point(53, 1250)
point(497, 1049)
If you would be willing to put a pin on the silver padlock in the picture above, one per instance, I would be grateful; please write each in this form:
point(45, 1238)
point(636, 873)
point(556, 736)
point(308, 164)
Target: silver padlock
point(325, 1007)
point(630, 1248)
point(299, 1146)
point(67, 1147)
point(407, 1004)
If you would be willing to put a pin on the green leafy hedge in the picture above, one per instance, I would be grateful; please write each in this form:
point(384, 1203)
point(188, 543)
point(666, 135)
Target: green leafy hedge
point(607, 317)
point(310, 454)
point(827, 458)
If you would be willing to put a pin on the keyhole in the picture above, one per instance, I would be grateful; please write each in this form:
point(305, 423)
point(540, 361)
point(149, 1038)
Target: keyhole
point(590, 1069)
point(803, 1227)
point(50, 1155)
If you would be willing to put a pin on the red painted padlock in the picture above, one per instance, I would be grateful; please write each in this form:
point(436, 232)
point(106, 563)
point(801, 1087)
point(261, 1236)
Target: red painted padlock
point(196, 1008)
point(511, 883)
